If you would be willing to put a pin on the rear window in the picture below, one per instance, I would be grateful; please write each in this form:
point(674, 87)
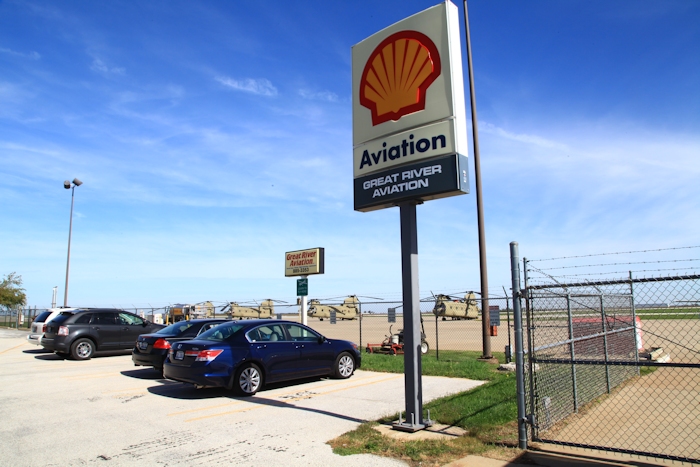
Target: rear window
point(175, 329)
point(62, 317)
point(221, 333)
point(41, 317)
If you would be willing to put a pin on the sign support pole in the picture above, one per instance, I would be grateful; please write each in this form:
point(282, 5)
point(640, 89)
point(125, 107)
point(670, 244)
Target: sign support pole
point(304, 308)
point(411, 321)
point(485, 324)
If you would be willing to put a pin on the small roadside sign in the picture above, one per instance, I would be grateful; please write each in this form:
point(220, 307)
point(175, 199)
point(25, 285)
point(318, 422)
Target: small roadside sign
point(302, 287)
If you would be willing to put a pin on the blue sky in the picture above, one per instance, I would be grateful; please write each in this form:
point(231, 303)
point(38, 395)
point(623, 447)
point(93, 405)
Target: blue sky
point(214, 136)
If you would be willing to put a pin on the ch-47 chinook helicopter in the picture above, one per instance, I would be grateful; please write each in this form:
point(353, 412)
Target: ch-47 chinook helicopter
point(448, 307)
point(266, 309)
point(348, 310)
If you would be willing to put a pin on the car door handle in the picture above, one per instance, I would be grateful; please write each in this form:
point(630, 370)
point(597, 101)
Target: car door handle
point(125, 329)
point(261, 346)
point(299, 346)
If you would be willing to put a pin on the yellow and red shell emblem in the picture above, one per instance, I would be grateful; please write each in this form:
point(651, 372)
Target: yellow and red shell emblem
point(398, 74)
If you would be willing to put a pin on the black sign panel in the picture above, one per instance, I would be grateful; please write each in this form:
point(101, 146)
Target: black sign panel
point(428, 179)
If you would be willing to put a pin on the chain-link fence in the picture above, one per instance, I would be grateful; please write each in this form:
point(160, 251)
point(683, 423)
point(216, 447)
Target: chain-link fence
point(375, 322)
point(450, 322)
point(19, 319)
point(615, 364)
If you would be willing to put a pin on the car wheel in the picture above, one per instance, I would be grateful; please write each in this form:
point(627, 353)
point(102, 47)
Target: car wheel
point(82, 349)
point(424, 347)
point(248, 380)
point(344, 366)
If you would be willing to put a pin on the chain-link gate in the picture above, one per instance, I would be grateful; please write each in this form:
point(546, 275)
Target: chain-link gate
point(614, 365)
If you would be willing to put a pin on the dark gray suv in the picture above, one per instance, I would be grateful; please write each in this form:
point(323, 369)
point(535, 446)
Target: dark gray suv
point(83, 332)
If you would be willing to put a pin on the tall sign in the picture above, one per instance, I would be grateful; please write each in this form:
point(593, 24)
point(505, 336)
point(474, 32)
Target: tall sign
point(409, 134)
point(304, 263)
point(410, 146)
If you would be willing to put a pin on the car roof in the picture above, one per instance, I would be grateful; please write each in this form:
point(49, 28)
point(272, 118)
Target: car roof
point(256, 322)
point(205, 320)
point(99, 310)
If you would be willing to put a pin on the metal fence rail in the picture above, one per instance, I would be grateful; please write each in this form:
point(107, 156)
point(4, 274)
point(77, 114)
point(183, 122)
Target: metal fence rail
point(615, 365)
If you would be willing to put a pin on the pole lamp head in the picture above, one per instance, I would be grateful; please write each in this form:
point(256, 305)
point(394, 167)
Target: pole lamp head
point(77, 182)
point(66, 185)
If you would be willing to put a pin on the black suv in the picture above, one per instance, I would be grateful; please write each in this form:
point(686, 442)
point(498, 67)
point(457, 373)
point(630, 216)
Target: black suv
point(83, 332)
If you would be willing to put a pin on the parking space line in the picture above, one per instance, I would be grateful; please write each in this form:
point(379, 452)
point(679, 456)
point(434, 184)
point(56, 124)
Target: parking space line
point(98, 375)
point(282, 394)
point(205, 408)
point(350, 387)
point(123, 390)
point(13, 348)
point(277, 396)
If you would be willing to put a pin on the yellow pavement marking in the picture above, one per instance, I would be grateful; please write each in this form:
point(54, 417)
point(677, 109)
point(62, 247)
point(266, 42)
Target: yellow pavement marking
point(13, 348)
point(124, 390)
point(228, 404)
point(92, 376)
point(351, 387)
point(271, 400)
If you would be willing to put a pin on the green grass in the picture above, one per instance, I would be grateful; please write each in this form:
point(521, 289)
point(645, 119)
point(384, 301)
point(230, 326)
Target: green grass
point(453, 364)
point(669, 313)
point(487, 413)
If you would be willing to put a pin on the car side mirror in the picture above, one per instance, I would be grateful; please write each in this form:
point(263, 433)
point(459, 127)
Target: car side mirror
point(321, 339)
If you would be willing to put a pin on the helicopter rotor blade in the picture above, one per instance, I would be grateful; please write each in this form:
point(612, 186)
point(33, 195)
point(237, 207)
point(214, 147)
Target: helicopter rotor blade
point(276, 301)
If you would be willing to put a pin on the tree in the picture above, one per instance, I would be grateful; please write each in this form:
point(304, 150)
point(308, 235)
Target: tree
point(12, 294)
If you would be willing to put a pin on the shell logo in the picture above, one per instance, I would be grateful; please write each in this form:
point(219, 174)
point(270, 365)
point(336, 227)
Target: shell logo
point(398, 74)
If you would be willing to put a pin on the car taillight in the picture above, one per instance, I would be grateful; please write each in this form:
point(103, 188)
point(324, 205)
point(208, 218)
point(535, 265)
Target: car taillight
point(161, 344)
point(62, 331)
point(203, 355)
point(43, 328)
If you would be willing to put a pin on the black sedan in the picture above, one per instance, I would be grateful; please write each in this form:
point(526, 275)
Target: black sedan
point(152, 349)
point(245, 355)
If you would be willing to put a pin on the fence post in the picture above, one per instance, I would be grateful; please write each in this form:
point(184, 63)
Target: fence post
point(359, 306)
point(437, 342)
point(605, 341)
point(518, 332)
point(529, 311)
point(572, 352)
point(634, 323)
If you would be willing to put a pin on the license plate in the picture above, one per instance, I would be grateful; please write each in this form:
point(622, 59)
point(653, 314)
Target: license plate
point(179, 355)
point(143, 345)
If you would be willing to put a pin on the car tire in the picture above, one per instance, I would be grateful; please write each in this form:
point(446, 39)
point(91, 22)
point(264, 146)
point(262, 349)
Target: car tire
point(248, 380)
point(82, 349)
point(344, 366)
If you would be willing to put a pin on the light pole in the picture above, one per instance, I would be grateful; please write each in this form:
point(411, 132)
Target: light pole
point(69, 186)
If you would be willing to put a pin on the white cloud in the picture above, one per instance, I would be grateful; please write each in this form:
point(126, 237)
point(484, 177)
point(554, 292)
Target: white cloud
point(319, 96)
point(521, 137)
point(99, 66)
point(261, 86)
point(30, 55)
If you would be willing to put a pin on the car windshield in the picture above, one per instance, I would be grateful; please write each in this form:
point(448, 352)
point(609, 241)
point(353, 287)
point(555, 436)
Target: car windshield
point(176, 328)
point(221, 332)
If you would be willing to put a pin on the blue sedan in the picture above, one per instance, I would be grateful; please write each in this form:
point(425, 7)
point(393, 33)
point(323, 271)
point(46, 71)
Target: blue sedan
point(245, 355)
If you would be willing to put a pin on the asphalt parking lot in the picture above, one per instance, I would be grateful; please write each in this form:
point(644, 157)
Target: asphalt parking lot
point(105, 411)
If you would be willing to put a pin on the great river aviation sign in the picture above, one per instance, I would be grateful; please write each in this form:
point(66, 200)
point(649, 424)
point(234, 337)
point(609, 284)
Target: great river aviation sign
point(408, 107)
